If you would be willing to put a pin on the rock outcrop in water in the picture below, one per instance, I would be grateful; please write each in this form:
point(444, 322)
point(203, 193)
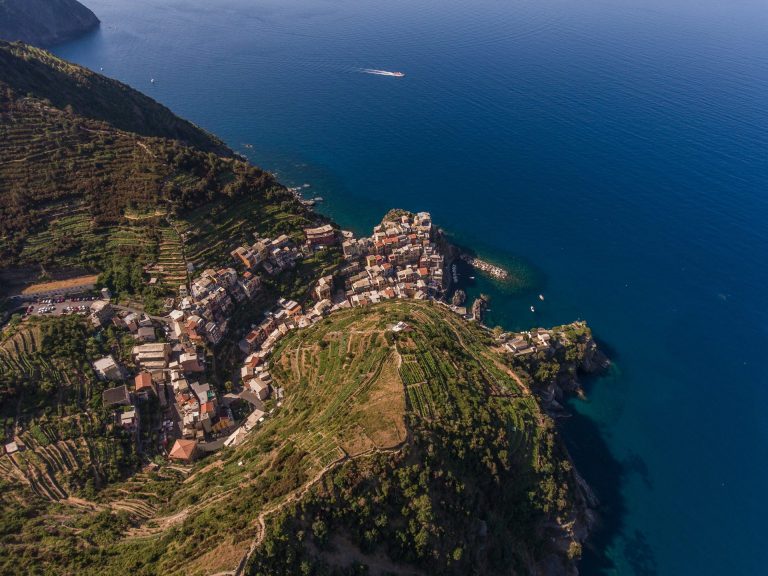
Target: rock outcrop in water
point(479, 306)
point(44, 22)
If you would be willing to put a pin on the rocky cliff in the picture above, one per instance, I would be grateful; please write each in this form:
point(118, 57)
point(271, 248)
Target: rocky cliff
point(44, 22)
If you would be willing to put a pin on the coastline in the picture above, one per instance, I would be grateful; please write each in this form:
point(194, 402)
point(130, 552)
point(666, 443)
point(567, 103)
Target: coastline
point(417, 234)
point(535, 174)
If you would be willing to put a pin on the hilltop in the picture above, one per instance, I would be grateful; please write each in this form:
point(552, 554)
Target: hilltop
point(414, 451)
point(44, 22)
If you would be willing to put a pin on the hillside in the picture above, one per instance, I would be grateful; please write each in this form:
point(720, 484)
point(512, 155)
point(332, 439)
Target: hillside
point(44, 22)
point(47, 383)
point(419, 452)
point(97, 176)
point(29, 73)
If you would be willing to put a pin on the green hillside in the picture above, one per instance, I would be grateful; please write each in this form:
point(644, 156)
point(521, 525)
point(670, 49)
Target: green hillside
point(27, 71)
point(96, 175)
point(420, 451)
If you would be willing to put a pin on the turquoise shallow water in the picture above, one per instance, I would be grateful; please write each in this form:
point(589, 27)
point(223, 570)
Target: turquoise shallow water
point(615, 151)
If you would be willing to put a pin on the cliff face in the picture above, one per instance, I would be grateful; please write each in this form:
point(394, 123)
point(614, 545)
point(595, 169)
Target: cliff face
point(44, 22)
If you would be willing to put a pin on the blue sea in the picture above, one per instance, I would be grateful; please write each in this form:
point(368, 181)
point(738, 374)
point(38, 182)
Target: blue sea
point(612, 153)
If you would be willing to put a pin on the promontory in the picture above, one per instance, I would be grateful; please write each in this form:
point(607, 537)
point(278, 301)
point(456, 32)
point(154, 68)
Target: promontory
point(44, 22)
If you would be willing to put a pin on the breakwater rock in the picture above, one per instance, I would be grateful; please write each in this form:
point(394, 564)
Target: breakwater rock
point(491, 269)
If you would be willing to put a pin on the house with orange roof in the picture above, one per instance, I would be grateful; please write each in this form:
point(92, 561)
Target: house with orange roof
point(144, 384)
point(184, 451)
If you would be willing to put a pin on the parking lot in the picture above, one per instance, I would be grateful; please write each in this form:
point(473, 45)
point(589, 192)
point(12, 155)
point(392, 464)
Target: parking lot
point(59, 306)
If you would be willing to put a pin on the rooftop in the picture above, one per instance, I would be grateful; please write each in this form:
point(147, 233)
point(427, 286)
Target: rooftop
point(183, 449)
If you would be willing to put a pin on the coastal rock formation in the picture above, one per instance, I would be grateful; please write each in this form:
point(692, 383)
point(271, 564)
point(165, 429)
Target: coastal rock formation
point(459, 297)
point(44, 22)
point(492, 270)
point(479, 306)
point(556, 359)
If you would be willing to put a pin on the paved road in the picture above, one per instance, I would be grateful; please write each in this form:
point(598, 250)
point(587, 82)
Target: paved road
point(161, 319)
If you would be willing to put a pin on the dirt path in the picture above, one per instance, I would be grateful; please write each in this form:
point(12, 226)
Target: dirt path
point(261, 520)
point(161, 524)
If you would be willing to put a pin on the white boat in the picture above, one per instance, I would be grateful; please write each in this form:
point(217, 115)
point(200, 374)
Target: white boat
point(533, 309)
point(383, 72)
point(152, 81)
point(541, 297)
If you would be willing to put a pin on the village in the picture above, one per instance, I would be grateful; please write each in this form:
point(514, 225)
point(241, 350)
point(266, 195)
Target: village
point(400, 260)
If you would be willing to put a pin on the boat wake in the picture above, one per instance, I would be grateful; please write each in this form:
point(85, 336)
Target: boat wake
point(380, 72)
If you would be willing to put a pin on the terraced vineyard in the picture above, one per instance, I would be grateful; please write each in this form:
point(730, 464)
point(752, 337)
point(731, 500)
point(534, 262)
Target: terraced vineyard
point(50, 400)
point(327, 372)
point(171, 267)
point(212, 232)
point(84, 177)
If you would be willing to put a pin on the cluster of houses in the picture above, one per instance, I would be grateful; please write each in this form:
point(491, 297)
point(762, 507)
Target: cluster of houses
point(400, 260)
point(174, 371)
point(272, 256)
point(203, 312)
point(142, 327)
point(526, 343)
point(170, 372)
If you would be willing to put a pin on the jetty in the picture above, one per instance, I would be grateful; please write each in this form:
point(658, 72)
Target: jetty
point(492, 270)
